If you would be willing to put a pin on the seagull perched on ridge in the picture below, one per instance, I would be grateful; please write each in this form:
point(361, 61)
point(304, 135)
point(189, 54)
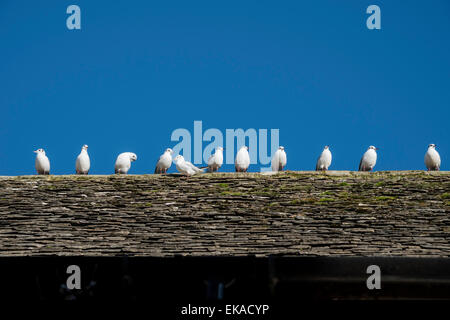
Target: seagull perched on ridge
point(279, 159)
point(215, 161)
point(42, 163)
point(123, 162)
point(242, 161)
point(324, 160)
point(83, 162)
point(164, 162)
point(432, 158)
point(185, 167)
point(368, 160)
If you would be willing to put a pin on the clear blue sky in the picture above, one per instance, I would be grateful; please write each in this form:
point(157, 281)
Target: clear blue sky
point(137, 70)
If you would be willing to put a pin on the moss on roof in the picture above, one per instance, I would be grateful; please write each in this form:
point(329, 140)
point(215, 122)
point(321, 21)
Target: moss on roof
point(336, 213)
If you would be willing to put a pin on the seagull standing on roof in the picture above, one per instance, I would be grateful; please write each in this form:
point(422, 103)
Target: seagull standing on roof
point(368, 160)
point(185, 167)
point(324, 160)
point(164, 162)
point(83, 162)
point(279, 159)
point(42, 163)
point(432, 158)
point(123, 162)
point(242, 161)
point(215, 161)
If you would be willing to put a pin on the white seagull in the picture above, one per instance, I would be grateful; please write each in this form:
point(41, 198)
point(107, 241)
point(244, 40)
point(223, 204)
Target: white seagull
point(215, 161)
point(368, 160)
point(83, 162)
point(185, 167)
point(42, 163)
point(324, 160)
point(279, 159)
point(432, 158)
point(164, 162)
point(242, 160)
point(123, 162)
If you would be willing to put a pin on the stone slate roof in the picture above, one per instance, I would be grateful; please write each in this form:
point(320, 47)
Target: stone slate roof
point(339, 213)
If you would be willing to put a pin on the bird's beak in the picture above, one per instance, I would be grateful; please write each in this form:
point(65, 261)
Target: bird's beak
point(377, 148)
point(35, 151)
